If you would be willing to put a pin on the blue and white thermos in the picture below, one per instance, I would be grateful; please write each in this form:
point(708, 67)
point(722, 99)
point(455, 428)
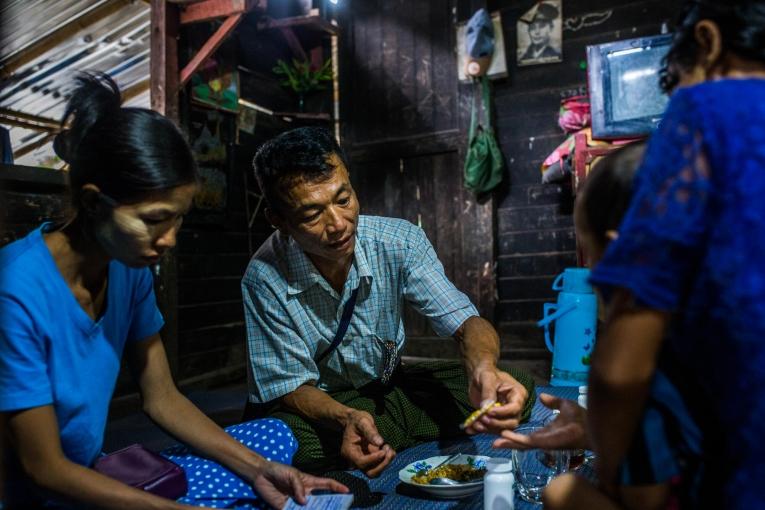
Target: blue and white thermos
point(575, 316)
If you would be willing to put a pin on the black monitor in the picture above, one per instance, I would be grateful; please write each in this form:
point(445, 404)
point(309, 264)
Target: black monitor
point(623, 77)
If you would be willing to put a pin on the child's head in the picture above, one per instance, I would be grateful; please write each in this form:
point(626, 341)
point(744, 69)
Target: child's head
point(713, 39)
point(604, 198)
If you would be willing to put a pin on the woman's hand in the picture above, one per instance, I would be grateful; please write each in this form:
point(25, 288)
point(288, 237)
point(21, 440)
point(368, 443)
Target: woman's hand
point(567, 431)
point(276, 482)
point(176, 414)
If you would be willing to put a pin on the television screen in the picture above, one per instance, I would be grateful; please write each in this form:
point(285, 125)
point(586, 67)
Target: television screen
point(624, 87)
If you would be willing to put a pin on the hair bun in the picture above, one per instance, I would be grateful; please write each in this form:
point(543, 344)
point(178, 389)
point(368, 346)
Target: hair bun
point(95, 96)
point(61, 146)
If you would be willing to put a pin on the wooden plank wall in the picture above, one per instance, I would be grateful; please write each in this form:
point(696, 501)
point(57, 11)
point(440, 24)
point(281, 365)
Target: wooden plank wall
point(534, 235)
point(28, 197)
point(399, 94)
point(213, 253)
point(398, 79)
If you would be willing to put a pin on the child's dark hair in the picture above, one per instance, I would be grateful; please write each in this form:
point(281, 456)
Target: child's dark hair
point(301, 153)
point(742, 27)
point(607, 192)
point(127, 152)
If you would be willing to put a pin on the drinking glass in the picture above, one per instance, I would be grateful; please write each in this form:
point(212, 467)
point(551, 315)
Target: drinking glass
point(534, 468)
point(577, 457)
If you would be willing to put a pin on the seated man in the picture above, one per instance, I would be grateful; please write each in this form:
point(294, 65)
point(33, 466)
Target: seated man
point(324, 299)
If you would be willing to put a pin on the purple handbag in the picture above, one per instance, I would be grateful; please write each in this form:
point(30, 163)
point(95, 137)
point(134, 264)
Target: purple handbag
point(143, 469)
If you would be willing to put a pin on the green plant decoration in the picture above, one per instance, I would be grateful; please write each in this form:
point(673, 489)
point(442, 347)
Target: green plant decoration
point(301, 78)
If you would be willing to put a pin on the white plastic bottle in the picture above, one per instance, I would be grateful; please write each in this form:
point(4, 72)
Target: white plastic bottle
point(498, 485)
point(582, 399)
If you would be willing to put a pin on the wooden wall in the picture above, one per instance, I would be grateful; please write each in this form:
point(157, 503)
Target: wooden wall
point(535, 236)
point(28, 197)
point(397, 74)
point(398, 83)
point(212, 254)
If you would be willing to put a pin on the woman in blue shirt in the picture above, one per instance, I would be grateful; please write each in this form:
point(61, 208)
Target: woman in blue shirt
point(688, 267)
point(72, 298)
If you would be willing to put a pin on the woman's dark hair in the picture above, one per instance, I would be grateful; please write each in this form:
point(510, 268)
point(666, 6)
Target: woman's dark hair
point(742, 27)
point(301, 153)
point(607, 192)
point(127, 152)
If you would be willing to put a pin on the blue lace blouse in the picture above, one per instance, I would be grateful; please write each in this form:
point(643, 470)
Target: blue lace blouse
point(693, 243)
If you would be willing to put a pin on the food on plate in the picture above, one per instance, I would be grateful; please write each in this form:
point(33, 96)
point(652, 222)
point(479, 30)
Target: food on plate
point(457, 472)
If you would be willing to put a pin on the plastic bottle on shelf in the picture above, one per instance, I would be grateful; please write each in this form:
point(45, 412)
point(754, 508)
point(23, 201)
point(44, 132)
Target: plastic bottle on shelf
point(582, 399)
point(498, 485)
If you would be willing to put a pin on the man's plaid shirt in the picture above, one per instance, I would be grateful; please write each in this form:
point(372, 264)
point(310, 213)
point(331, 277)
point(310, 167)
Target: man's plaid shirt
point(292, 313)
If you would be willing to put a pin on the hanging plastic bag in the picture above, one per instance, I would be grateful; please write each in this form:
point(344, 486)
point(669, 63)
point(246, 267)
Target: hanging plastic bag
point(479, 43)
point(484, 165)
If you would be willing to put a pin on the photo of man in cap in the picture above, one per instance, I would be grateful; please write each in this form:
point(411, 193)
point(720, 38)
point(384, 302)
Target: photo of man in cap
point(539, 34)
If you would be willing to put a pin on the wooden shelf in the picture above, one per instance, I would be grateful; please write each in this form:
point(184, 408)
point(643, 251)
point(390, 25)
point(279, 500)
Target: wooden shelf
point(304, 115)
point(208, 106)
point(32, 175)
point(301, 23)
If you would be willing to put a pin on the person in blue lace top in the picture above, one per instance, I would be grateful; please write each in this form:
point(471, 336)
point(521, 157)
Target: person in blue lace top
point(690, 260)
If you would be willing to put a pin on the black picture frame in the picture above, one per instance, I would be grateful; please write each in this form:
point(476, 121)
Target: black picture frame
point(641, 105)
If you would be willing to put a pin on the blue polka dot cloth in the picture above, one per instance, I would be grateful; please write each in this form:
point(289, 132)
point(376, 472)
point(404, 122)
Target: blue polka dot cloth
point(212, 485)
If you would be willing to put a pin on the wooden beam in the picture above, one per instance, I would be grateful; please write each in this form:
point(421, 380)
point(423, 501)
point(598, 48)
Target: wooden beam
point(294, 43)
point(23, 124)
point(27, 120)
point(314, 22)
point(317, 58)
point(17, 176)
point(26, 149)
point(212, 9)
point(53, 38)
point(304, 115)
point(210, 46)
point(136, 90)
point(408, 146)
point(165, 22)
point(164, 58)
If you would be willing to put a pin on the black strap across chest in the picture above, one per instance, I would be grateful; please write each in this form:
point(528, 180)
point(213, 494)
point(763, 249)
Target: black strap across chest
point(345, 319)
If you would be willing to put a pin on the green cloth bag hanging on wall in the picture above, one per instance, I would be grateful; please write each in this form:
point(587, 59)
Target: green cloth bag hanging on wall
point(484, 165)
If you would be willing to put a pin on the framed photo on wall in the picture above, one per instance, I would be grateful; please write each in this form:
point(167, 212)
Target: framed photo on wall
point(540, 34)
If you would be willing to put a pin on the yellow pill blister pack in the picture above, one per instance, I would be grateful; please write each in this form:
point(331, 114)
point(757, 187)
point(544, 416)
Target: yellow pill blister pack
point(480, 412)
